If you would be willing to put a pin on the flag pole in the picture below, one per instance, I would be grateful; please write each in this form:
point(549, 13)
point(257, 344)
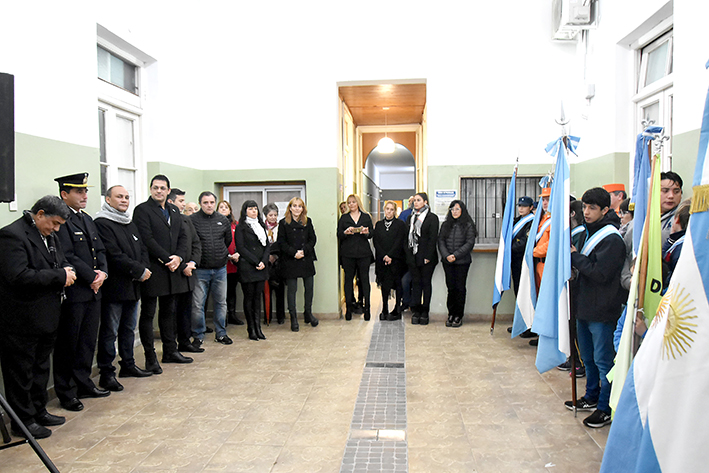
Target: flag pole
point(642, 278)
point(492, 325)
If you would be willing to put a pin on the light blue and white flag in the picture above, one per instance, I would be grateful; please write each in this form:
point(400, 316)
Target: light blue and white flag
point(659, 423)
point(551, 321)
point(642, 172)
point(503, 267)
point(527, 293)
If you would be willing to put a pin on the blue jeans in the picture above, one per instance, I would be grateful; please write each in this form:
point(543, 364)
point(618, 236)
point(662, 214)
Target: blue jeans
point(214, 281)
point(596, 347)
point(118, 320)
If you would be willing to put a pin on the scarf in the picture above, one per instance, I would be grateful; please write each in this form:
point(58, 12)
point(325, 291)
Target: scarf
point(113, 215)
point(418, 216)
point(270, 231)
point(258, 229)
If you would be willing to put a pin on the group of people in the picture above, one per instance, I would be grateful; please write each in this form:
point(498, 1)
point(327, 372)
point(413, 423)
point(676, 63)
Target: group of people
point(602, 262)
point(406, 252)
point(73, 285)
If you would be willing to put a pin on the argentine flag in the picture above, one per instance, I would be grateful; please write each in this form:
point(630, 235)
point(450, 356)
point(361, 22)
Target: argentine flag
point(503, 268)
point(642, 172)
point(660, 421)
point(527, 294)
point(552, 310)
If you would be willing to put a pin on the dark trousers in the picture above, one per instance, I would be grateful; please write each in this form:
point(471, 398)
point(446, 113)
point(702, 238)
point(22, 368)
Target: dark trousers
point(75, 347)
point(386, 286)
point(421, 286)
point(278, 289)
point(166, 324)
point(118, 321)
point(406, 289)
point(252, 299)
point(353, 266)
point(231, 281)
point(293, 289)
point(183, 315)
point(456, 278)
point(24, 358)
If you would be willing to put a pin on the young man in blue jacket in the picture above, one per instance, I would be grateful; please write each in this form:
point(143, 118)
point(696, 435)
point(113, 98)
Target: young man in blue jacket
point(597, 263)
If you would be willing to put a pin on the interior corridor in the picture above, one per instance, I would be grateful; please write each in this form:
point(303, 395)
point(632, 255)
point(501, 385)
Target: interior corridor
point(297, 402)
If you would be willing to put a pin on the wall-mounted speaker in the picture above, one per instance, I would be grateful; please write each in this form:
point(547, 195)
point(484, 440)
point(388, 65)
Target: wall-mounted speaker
point(7, 137)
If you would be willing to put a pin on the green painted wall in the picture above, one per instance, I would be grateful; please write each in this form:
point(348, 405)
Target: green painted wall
point(684, 158)
point(608, 169)
point(38, 161)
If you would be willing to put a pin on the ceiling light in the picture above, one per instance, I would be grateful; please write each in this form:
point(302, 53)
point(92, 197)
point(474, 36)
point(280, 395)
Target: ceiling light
point(386, 145)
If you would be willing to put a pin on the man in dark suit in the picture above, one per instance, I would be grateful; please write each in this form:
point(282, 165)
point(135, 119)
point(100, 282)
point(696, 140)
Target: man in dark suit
point(161, 229)
point(81, 311)
point(33, 275)
point(128, 265)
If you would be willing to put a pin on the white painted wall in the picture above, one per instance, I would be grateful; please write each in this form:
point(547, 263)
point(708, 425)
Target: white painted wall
point(50, 48)
point(405, 180)
point(239, 84)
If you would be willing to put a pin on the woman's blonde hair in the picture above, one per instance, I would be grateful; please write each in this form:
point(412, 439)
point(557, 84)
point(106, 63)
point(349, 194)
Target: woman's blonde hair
point(359, 202)
point(303, 219)
point(392, 203)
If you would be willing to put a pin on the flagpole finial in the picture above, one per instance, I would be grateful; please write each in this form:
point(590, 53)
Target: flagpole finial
point(563, 121)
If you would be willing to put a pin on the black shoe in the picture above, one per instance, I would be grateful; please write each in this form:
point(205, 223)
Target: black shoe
point(37, 431)
point(534, 342)
point(597, 420)
point(457, 322)
point(281, 321)
point(234, 320)
point(449, 322)
point(528, 334)
point(404, 308)
point(394, 316)
point(95, 392)
point(134, 372)
point(197, 343)
point(306, 317)
point(423, 320)
point(73, 405)
point(189, 348)
point(153, 366)
point(313, 321)
point(259, 333)
point(348, 315)
point(111, 384)
point(208, 330)
point(509, 329)
point(384, 316)
point(415, 318)
point(582, 404)
point(367, 315)
point(176, 357)
point(224, 340)
point(48, 419)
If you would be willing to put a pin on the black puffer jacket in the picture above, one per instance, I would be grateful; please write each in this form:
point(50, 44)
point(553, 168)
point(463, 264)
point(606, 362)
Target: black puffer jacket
point(598, 296)
point(458, 239)
point(215, 234)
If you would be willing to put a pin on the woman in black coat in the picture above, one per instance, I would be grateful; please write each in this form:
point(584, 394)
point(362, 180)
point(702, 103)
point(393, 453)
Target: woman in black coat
point(354, 231)
point(455, 242)
point(390, 260)
point(421, 256)
point(253, 248)
point(296, 242)
point(276, 284)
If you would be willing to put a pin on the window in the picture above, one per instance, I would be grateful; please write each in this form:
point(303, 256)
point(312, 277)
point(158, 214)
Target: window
point(263, 194)
point(117, 71)
point(655, 98)
point(486, 198)
point(117, 138)
point(655, 61)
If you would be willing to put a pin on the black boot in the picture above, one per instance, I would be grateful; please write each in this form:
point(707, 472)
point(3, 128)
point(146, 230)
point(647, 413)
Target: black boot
point(310, 319)
point(151, 362)
point(294, 322)
point(423, 320)
point(250, 327)
point(231, 318)
point(257, 328)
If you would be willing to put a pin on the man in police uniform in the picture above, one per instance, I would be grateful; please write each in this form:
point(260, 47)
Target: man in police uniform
point(81, 311)
point(33, 275)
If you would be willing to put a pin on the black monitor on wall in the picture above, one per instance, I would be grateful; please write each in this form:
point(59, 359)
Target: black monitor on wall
point(7, 137)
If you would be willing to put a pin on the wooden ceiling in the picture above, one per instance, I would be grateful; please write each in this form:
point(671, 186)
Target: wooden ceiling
point(366, 102)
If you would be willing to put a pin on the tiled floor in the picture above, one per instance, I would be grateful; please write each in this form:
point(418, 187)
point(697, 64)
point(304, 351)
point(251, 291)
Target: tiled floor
point(474, 403)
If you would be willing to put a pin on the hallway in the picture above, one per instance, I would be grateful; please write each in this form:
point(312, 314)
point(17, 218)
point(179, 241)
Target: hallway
point(474, 403)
